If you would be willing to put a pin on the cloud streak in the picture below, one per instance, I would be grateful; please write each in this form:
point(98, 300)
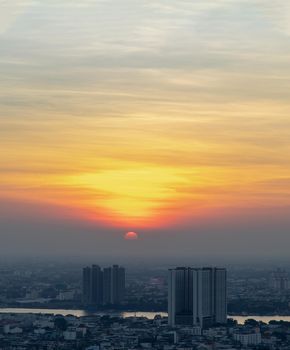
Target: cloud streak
point(145, 113)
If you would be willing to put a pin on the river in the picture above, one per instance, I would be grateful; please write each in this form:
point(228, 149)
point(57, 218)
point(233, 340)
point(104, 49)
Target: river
point(79, 313)
point(149, 315)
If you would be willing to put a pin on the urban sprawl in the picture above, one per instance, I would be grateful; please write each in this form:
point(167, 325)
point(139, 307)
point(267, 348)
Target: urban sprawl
point(197, 317)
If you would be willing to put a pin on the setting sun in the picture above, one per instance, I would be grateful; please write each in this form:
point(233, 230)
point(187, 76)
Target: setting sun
point(131, 236)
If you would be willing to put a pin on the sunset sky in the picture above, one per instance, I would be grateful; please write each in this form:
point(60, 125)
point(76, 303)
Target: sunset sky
point(166, 117)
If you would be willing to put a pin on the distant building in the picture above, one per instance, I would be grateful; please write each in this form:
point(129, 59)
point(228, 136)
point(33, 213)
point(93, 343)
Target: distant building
point(107, 285)
point(197, 296)
point(248, 338)
point(103, 287)
point(279, 280)
point(66, 295)
point(8, 329)
point(70, 335)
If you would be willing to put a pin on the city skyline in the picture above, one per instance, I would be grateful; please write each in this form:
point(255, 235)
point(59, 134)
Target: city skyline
point(167, 119)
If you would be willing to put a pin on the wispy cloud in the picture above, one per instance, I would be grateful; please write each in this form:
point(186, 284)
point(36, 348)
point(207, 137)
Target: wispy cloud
point(96, 87)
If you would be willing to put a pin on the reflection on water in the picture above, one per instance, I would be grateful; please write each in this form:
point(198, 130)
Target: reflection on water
point(149, 315)
point(79, 313)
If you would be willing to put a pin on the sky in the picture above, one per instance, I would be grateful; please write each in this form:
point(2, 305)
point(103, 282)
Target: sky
point(169, 118)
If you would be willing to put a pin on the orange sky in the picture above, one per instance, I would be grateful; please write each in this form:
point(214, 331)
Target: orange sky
point(146, 117)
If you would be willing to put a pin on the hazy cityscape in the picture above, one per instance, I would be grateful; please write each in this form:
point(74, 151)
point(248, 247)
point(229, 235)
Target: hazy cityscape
point(70, 306)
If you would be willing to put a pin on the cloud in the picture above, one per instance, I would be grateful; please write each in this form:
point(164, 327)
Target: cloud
point(106, 88)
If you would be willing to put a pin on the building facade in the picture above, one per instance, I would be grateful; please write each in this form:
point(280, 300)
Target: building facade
point(96, 285)
point(197, 296)
point(103, 287)
point(114, 285)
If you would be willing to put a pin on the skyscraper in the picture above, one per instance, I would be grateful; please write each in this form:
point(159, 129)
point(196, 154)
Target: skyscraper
point(220, 296)
point(107, 285)
point(180, 296)
point(86, 285)
point(197, 296)
point(93, 285)
point(103, 287)
point(96, 285)
point(114, 285)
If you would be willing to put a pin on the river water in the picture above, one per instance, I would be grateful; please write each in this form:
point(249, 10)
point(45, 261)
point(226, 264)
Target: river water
point(149, 315)
point(79, 313)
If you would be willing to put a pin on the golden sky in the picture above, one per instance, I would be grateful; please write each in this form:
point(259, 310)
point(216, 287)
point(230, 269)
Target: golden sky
point(145, 113)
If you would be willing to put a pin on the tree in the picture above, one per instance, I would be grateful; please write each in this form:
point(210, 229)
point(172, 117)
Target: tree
point(231, 322)
point(251, 322)
point(60, 323)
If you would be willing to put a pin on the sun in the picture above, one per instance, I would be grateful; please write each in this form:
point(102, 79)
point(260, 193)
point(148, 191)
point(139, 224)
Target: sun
point(131, 236)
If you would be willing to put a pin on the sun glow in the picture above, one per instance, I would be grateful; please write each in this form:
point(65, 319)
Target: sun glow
point(130, 194)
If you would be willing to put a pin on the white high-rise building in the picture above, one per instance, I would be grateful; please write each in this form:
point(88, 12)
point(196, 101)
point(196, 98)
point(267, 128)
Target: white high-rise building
point(197, 296)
